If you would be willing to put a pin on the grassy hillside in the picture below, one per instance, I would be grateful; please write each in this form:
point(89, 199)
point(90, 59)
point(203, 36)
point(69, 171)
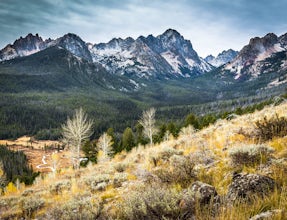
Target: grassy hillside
point(164, 181)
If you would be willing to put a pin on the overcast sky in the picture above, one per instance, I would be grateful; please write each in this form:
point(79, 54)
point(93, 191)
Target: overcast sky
point(211, 25)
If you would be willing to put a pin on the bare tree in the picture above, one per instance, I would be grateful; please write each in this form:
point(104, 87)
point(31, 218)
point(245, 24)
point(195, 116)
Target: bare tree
point(77, 130)
point(105, 146)
point(148, 122)
point(55, 161)
point(187, 131)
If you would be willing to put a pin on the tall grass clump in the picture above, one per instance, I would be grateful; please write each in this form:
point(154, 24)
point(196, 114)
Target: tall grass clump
point(267, 129)
point(250, 155)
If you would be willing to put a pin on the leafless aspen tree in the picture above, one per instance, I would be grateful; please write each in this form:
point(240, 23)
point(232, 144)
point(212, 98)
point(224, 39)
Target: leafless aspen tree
point(77, 130)
point(148, 122)
point(105, 146)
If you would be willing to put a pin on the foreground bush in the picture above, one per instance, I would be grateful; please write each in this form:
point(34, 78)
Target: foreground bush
point(152, 202)
point(179, 171)
point(76, 208)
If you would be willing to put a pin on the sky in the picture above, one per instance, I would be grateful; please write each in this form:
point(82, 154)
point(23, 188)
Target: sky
point(211, 25)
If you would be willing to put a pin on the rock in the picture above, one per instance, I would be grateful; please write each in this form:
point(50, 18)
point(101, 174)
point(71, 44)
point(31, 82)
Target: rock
point(203, 192)
point(187, 206)
point(267, 215)
point(245, 186)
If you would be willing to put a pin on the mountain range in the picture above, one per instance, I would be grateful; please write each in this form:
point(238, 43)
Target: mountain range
point(167, 55)
point(130, 64)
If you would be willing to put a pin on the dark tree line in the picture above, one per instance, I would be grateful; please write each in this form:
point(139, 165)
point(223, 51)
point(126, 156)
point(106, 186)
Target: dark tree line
point(15, 166)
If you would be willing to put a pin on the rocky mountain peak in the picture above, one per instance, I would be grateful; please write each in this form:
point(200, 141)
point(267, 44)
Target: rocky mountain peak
point(250, 59)
point(170, 33)
point(283, 40)
point(22, 47)
point(29, 42)
point(171, 38)
point(75, 45)
point(257, 44)
point(209, 57)
point(129, 40)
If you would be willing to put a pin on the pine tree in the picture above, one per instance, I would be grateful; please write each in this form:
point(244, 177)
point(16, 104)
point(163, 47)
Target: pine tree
point(128, 140)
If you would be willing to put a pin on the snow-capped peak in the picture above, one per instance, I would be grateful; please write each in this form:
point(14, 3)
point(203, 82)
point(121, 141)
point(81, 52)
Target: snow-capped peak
point(222, 58)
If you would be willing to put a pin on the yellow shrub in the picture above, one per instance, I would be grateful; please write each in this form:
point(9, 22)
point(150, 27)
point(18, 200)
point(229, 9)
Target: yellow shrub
point(109, 193)
point(10, 188)
point(279, 144)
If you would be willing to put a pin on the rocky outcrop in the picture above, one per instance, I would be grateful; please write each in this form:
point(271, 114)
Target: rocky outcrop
point(245, 186)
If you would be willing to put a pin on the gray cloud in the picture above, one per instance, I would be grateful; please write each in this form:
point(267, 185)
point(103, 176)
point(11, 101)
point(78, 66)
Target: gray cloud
point(211, 25)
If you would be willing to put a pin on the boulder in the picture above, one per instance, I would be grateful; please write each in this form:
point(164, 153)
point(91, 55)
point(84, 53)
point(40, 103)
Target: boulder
point(245, 186)
point(203, 192)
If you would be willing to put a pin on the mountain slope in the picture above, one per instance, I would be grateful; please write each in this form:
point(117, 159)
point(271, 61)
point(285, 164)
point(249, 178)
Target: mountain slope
point(55, 68)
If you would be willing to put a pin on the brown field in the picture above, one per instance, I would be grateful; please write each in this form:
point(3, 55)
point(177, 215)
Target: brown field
point(36, 150)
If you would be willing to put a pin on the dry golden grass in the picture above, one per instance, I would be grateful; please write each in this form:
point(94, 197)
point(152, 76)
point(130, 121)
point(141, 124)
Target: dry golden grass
point(27, 141)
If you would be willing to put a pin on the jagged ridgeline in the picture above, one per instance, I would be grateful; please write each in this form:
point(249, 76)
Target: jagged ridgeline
point(13, 166)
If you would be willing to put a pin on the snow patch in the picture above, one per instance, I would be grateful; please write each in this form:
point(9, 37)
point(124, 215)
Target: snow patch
point(190, 62)
point(123, 89)
point(137, 86)
point(172, 60)
point(204, 65)
point(267, 53)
